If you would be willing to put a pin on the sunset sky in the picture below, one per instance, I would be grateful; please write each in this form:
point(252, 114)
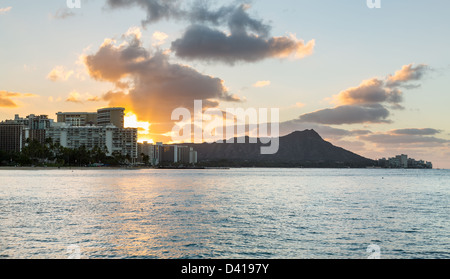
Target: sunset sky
point(373, 81)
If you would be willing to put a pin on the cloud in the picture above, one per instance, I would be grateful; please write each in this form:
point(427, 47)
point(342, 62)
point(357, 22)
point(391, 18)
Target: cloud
point(247, 38)
point(348, 114)
point(133, 32)
point(299, 104)
point(94, 99)
point(406, 74)
point(153, 85)
point(393, 139)
point(6, 98)
point(6, 102)
point(159, 37)
point(156, 9)
point(262, 83)
point(371, 91)
point(63, 13)
point(59, 73)
point(376, 91)
point(414, 131)
point(367, 102)
point(5, 10)
point(203, 43)
point(74, 97)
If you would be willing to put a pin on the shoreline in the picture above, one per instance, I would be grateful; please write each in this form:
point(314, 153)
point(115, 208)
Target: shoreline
point(4, 168)
point(108, 168)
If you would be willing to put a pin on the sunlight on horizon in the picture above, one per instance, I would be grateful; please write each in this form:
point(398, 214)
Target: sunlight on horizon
point(131, 121)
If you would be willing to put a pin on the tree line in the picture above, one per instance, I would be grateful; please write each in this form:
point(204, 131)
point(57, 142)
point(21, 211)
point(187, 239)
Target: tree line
point(48, 153)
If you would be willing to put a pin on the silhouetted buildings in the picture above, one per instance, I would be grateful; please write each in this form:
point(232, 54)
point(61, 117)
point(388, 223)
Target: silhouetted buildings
point(403, 162)
point(103, 129)
point(160, 154)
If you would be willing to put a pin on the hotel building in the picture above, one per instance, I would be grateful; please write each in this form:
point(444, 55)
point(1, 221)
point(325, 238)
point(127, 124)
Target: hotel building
point(104, 129)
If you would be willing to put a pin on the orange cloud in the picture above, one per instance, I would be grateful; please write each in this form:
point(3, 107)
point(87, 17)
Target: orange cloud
point(283, 47)
point(74, 97)
point(59, 73)
point(5, 10)
point(262, 83)
point(406, 74)
point(150, 85)
point(372, 91)
point(5, 98)
point(299, 104)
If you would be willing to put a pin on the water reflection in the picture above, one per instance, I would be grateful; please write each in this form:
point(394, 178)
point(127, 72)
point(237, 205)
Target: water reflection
point(238, 213)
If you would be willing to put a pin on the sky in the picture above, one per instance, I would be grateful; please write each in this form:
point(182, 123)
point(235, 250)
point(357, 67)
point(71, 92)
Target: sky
point(373, 81)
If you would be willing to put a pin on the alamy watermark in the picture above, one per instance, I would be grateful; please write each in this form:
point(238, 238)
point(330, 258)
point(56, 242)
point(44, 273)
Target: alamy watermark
point(74, 252)
point(374, 4)
point(375, 252)
point(209, 126)
point(74, 4)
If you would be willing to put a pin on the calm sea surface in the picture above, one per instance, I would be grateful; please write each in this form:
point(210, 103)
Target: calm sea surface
point(237, 213)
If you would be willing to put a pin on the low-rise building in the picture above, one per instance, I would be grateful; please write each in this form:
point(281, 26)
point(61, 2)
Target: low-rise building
point(167, 154)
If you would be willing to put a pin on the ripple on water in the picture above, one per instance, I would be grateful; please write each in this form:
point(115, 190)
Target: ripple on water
point(241, 213)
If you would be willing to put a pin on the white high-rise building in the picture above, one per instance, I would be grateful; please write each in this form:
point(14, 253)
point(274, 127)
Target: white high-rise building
point(103, 129)
point(109, 138)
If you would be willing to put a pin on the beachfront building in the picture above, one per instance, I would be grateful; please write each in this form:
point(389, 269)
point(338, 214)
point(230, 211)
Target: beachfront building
point(103, 129)
point(167, 154)
point(11, 136)
point(111, 139)
point(403, 162)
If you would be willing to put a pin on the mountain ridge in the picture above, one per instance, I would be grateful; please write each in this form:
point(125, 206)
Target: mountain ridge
point(299, 148)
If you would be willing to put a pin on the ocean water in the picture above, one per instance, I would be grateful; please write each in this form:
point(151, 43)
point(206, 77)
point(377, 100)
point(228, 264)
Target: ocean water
point(214, 214)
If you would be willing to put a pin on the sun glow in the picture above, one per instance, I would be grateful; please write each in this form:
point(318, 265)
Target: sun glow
point(131, 121)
